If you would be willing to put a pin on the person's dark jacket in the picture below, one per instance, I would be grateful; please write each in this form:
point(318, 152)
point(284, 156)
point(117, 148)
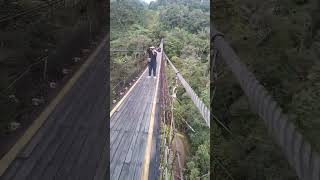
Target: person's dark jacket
point(153, 58)
point(149, 52)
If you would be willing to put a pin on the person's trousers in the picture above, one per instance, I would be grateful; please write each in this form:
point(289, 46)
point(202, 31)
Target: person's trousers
point(152, 68)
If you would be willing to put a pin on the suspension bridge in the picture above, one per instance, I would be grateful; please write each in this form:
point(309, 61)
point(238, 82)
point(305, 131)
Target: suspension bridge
point(68, 140)
point(135, 126)
point(149, 100)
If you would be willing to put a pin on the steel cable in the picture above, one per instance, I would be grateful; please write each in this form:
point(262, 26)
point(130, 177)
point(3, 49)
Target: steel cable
point(29, 11)
point(40, 59)
point(196, 100)
point(299, 153)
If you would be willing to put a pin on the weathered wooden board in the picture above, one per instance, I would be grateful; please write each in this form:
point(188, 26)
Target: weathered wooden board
point(129, 130)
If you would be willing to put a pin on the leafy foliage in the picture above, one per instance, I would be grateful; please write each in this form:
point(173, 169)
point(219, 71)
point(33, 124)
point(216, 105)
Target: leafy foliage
point(189, 51)
point(278, 41)
point(184, 17)
point(123, 14)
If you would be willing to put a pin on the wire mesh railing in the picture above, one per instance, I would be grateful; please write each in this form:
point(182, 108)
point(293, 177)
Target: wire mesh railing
point(169, 154)
point(123, 75)
point(166, 120)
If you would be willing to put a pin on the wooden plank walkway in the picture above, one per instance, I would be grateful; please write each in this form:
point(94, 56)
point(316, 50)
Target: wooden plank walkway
point(71, 144)
point(129, 127)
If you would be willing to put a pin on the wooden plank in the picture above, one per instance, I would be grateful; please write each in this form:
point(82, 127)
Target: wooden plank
point(120, 102)
point(116, 144)
point(102, 168)
point(27, 167)
point(113, 135)
point(128, 120)
point(50, 144)
point(125, 172)
point(89, 168)
point(69, 162)
point(138, 146)
point(76, 136)
point(145, 128)
point(96, 136)
point(118, 153)
point(127, 154)
point(97, 145)
point(141, 117)
point(155, 151)
point(146, 162)
point(82, 112)
point(71, 156)
point(127, 110)
point(117, 114)
point(119, 163)
point(130, 126)
point(37, 124)
point(49, 153)
point(14, 167)
point(130, 150)
point(131, 120)
point(140, 157)
point(132, 129)
point(135, 158)
point(65, 106)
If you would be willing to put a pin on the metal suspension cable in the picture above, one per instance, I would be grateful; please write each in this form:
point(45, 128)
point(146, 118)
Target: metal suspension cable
point(40, 59)
point(180, 168)
point(196, 100)
point(298, 151)
point(29, 11)
point(126, 50)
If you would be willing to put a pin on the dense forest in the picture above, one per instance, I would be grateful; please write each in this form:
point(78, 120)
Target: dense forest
point(185, 27)
point(279, 41)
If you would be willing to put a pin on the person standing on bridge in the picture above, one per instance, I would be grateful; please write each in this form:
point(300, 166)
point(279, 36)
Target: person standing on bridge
point(152, 61)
